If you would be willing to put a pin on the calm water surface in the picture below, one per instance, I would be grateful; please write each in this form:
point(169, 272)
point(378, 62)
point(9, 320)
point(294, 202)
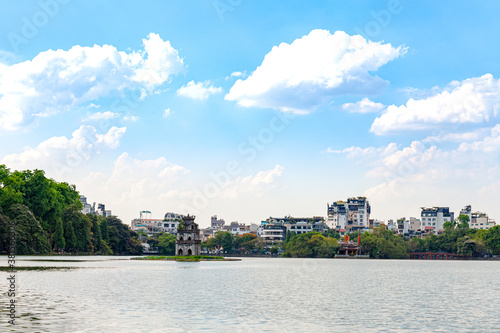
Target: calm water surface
point(256, 294)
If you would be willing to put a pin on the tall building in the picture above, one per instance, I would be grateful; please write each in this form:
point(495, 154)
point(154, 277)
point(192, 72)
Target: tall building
point(350, 215)
point(434, 218)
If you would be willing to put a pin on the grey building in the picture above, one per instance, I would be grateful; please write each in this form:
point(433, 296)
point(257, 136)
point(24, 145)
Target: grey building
point(188, 238)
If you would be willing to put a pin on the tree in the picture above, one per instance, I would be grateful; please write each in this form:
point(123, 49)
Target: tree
point(103, 225)
point(29, 234)
point(95, 231)
point(59, 242)
point(122, 240)
point(166, 244)
point(81, 226)
point(311, 244)
point(491, 239)
point(466, 246)
point(463, 221)
point(69, 236)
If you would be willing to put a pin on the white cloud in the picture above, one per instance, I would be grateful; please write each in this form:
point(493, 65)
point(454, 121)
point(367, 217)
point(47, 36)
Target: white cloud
point(166, 113)
point(59, 80)
point(134, 184)
point(160, 186)
point(59, 156)
point(404, 178)
point(300, 76)
point(459, 137)
point(238, 74)
point(473, 100)
point(363, 106)
point(131, 118)
point(253, 185)
point(101, 116)
point(198, 90)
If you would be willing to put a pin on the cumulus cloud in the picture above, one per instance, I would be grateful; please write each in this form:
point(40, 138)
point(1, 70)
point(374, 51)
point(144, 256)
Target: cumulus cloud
point(300, 76)
point(160, 186)
point(59, 156)
point(253, 184)
point(363, 106)
point(59, 80)
point(473, 100)
point(198, 90)
point(405, 178)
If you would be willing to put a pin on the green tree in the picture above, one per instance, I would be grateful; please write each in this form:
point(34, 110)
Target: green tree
point(69, 236)
point(166, 244)
point(463, 221)
point(122, 240)
point(103, 225)
point(81, 226)
point(95, 232)
point(59, 242)
point(30, 236)
point(491, 239)
point(466, 246)
point(311, 244)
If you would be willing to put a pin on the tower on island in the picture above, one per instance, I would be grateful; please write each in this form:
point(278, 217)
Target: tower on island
point(188, 238)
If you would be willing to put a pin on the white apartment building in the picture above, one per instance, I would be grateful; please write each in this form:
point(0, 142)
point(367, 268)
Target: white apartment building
point(477, 220)
point(353, 214)
point(434, 218)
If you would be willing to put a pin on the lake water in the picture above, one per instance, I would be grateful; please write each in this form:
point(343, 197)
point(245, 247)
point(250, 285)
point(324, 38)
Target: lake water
point(255, 295)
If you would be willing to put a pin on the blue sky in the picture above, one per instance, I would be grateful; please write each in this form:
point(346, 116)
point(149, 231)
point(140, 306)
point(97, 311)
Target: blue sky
point(248, 109)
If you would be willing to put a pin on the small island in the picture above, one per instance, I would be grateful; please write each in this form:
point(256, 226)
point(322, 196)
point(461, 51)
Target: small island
point(186, 258)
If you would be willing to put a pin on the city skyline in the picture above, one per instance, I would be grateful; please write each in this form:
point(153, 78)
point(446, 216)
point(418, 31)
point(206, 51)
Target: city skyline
point(252, 109)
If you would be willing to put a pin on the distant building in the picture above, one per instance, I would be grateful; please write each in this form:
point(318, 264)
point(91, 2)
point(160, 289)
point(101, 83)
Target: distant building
point(391, 225)
point(291, 220)
point(434, 218)
point(236, 228)
point(353, 214)
point(170, 223)
point(477, 220)
point(467, 210)
point(90, 209)
point(299, 225)
point(303, 227)
point(87, 208)
point(149, 226)
point(216, 223)
point(188, 238)
point(273, 234)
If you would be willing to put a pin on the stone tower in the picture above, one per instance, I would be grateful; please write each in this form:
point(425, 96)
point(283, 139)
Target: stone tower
point(188, 238)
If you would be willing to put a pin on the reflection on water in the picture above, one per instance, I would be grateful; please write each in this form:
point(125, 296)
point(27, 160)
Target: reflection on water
point(257, 295)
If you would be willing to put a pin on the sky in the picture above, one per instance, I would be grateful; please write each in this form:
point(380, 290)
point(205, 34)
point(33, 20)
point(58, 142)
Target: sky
point(250, 109)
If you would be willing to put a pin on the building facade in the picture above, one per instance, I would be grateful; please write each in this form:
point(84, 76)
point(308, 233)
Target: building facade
point(216, 223)
point(477, 220)
point(188, 238)
point(351, 215)
point(433, 219)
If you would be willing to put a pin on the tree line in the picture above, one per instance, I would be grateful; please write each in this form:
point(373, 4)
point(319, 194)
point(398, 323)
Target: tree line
point(47, 218)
